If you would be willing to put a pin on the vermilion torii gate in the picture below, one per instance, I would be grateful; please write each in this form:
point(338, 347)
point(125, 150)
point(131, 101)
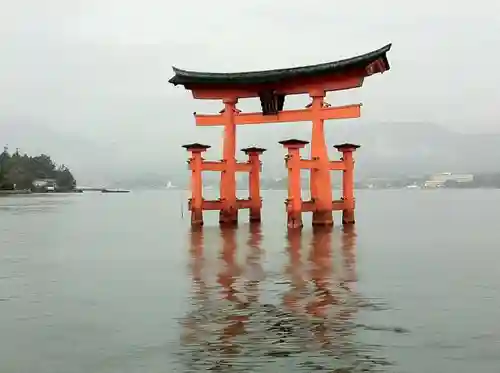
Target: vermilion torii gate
point(272, 87)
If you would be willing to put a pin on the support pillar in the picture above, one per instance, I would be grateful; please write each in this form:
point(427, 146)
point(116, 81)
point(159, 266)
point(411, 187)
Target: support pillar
point(348, 181)
point(320, 183)
point(196, 165)
point(254, 183)
point(294, 201)
point(229, 212)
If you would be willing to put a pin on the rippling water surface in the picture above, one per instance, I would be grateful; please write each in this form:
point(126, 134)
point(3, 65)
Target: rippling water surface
point(119, 283)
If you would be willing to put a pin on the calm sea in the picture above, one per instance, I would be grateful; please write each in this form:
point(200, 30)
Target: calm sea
point(118, 283)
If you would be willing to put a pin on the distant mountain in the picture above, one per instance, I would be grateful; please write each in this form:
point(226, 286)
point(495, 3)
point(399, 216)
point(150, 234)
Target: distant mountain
point(402, 148)
point(407, 148)
point(387, 149)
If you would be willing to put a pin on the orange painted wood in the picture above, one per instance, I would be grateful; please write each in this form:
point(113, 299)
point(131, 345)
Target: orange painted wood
point(220, 166)
point(337, 165)
point(244, 203)
point(320, 181)
point(216, 205)
point(196, 181)
point(348, 180)
point(307, 164)
point(294, 188)
point(243, 167)
point(338, 205)
point(213, 166)
point(310, 206)
point(254, 187)
point(229, 212)
point(300, 115)
point(212, 205)
point(297, 86)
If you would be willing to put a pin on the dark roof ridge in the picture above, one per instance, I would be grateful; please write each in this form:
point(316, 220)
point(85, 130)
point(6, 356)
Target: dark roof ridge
point(269, 76)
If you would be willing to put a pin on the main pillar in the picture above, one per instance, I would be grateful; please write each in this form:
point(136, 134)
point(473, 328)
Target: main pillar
point(254, 182)
point(294, 201)
point(196, 166)
point(320, 182)
point(229, 212)
point(348, 181)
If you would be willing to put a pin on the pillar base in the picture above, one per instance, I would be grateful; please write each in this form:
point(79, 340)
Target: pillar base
point(228, 218)
point(196, 218)
point(255, 216)
point(348, 217)
point(294, 220)
point(322, 218)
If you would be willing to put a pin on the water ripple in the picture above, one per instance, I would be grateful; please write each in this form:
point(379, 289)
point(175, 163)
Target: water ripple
point(310, 326)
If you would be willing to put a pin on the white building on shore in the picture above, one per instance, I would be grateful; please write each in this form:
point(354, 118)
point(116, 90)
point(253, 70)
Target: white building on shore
point(438, 180)
point(48, 185)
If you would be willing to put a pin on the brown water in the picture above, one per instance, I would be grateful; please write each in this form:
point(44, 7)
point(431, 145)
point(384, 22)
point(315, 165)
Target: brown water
point(118, 283)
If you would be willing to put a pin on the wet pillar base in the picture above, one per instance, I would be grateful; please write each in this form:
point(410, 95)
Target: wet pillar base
point(348, 217)
point(294, 220)
point(255, 216)
point(196, 218)
point(322, 218)
point(228, 217)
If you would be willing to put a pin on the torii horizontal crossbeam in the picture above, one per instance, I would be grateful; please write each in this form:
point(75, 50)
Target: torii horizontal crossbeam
point(302, 115)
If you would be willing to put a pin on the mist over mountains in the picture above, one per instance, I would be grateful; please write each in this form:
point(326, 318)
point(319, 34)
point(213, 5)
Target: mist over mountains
point(410, 148)
point(388, 149)
point(92, 161)
point(419, 148)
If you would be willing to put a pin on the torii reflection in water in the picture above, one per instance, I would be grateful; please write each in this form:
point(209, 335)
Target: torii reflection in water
point(332, 294)
point(244, 299)
point(237, 286)
point(230, 326)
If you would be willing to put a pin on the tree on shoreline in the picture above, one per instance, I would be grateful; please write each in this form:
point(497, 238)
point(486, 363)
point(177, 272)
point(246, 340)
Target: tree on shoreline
point(21, 170)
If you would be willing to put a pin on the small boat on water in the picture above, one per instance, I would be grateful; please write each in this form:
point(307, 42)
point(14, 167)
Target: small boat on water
point(114, 191)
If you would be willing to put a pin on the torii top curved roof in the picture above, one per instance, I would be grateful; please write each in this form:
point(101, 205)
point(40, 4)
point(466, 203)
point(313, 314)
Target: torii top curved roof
point(185, 77)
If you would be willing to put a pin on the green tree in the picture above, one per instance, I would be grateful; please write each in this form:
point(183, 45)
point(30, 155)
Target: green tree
point(4, 163)
point(22, 170)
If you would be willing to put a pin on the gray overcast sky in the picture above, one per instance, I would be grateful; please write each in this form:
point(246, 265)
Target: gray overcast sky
point(99, 68)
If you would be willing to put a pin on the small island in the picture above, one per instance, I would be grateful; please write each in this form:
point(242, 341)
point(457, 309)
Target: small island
point(22, 173)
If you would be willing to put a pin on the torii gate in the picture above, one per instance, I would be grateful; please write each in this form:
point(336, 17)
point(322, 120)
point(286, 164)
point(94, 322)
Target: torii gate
point(272, 87)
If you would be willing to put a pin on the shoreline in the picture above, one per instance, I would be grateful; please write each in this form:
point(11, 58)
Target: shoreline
point(29, 192)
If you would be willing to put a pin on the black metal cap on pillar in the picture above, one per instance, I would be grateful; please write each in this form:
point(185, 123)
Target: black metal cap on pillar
point(346, 147)
point(253, 149)
point(293, 142)
point(196, 146)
